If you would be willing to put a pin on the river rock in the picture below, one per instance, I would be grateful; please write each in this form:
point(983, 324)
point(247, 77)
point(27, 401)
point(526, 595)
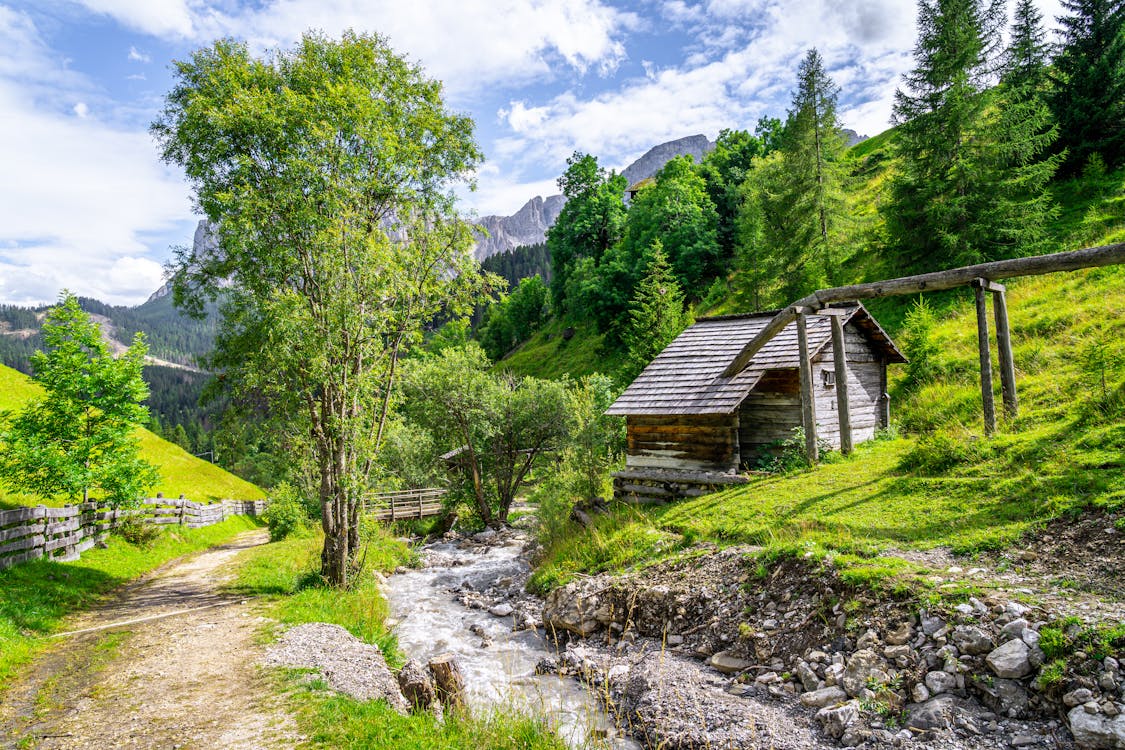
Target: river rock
point(416, 685)
point(728, 663)
point(1096, 731)
point(1010, 660)
point(500, 610)
point(824, 697)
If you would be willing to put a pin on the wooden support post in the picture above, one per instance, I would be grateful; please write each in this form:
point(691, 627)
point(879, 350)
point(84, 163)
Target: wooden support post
point(808, 402)
point(1004, 345)
point(985, 361)
point(839, 357)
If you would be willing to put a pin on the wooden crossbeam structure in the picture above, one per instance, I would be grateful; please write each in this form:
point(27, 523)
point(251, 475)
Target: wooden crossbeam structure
point(407, 504)
point(982, 277)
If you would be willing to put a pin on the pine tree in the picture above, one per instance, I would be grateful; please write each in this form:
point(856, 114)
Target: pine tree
point(1089, 82)
point(811, 149)
point(1021, 132)
point(656, 314)
point(941, 192)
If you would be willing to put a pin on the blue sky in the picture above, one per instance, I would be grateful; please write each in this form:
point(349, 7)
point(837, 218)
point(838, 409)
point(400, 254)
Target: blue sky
point(86, 204)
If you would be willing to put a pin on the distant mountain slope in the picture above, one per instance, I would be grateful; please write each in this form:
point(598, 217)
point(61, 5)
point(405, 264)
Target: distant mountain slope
point(180, 472)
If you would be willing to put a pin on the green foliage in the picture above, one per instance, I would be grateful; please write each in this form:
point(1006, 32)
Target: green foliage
point(788, 455)
point(325, 296)
point(589, 224)
point(137, 532)
point(78, 437)
point(723, 170)
point(287, 512)
point(920, 344)
point(408, 459)
point(514, 318)
point(656, 315)
point(1088, 82)
point(1052, 674)
point(936, 453)
point(596, 441)
point(677, 212)
point(502, 425)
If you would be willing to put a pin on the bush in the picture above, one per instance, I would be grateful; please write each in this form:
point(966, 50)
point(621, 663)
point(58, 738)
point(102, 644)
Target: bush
point(137, 532)
point(286, 513)
point(787, 456)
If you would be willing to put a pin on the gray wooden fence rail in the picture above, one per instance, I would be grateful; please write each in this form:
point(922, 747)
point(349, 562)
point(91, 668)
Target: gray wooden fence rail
point(65, 533)
point(406, 504)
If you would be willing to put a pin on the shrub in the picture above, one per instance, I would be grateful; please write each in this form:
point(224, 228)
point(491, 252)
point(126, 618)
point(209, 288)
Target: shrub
point(136, 532)
point(787, 456)
point(938, 452)
point(286, 512)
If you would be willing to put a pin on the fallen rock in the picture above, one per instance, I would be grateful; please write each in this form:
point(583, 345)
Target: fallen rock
point(940, 682)
point(416, 685)
point(936, 713)
point(861, 667)
point(500, 610)
point(1005, 697)
point(1010, 660)
point(828, 696)
point(728, 663)
point(836, 721)
point(1096, 731)
point(972, 640)
point(572, 608)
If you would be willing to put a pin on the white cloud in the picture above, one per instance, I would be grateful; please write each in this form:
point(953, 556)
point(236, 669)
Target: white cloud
point(161, 18)
point(80, 198)
point(136, 55)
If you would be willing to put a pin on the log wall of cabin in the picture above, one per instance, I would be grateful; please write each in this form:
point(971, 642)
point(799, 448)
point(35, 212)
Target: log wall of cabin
point(703, 442)
point(773, 409)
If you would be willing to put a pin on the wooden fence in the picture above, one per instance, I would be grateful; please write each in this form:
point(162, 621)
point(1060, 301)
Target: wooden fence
point(407, 504)
point(65, 533)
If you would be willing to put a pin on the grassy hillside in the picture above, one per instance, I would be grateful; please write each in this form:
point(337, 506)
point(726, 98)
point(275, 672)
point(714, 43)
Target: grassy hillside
point(180, 472)
point(942, 484)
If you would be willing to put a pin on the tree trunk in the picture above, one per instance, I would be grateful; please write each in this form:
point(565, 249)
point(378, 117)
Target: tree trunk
point(448, 681)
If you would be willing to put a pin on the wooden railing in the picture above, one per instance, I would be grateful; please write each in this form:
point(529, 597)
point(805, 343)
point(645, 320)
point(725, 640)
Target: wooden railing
point(65, 533)
point(406, 504)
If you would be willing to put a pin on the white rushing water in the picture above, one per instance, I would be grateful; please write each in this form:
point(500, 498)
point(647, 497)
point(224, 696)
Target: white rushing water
point(430, 621)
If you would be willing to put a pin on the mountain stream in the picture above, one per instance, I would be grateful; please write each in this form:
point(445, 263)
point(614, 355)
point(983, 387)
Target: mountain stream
point(497, 663)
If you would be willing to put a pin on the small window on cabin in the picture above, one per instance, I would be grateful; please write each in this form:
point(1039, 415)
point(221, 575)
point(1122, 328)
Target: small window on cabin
point(829, 378)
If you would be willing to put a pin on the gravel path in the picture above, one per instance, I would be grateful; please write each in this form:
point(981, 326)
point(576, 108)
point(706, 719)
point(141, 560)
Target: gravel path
point(169, 663)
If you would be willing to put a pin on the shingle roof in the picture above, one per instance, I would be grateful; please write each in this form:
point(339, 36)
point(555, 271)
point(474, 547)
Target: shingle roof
point(686, 378)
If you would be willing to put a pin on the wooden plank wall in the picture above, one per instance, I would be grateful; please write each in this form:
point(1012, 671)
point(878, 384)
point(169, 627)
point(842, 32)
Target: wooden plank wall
point(65, 533)
point(706, 442)
point(773, 409)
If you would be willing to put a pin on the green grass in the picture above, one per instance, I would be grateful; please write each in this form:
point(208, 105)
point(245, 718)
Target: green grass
point(180, 472)
point(548, 355)
point(947, 485)
point(36, 596)
point(285, 574)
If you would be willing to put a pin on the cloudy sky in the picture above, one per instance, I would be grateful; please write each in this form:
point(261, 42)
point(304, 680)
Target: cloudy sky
point(85, 203)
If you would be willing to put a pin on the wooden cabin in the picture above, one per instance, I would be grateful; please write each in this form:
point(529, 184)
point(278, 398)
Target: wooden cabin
point(691, 429)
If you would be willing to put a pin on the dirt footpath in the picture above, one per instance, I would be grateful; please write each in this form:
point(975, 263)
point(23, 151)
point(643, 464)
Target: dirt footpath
point(169, 663)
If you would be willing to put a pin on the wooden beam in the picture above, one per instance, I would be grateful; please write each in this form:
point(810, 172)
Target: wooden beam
point(985, 363)
point(1091, 257)
point(808, 399)
point(1007, 362)
point(839, 358)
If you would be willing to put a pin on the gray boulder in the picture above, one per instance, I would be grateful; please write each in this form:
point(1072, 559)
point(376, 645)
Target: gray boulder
point(1010, 660)
point(1096, 731)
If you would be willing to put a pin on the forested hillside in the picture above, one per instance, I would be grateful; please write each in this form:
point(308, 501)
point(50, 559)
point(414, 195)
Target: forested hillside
point(986, 161)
